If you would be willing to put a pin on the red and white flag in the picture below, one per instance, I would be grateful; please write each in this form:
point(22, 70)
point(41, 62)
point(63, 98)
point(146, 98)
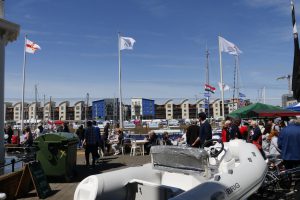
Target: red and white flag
point(209, 88)
point(31, 47)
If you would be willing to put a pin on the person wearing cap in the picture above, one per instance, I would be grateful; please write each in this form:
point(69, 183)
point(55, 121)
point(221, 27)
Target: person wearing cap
point(205, 132)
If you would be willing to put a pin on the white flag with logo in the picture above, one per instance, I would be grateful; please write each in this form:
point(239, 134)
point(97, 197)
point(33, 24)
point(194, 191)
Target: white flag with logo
point(126, 43)
point(226, 87)
point(31, 47)
point(228, 47)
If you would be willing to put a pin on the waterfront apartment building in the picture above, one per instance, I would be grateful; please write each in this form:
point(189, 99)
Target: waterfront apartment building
point(106, 109)
point(63, 110)
point(17, 111)
point(142, 108)
point(169, 109)
point(33, 111)
point(8, 111)
point(181, 109)
point(79, 109)
point(49, 109)
point(196, 108)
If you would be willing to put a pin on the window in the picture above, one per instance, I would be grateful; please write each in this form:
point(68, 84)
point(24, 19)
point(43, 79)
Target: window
point(31, 108)
point(62, 108)
point(169, 106)
point(17, 108)
point(77, 107)
point(77, 116)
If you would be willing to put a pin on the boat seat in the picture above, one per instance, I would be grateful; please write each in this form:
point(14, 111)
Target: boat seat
point(145, 190)
point(179, 159)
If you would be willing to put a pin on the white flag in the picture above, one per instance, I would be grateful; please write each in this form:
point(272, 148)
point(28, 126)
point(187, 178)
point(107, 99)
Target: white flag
point(31, 47)
point(126, 43)
point(228, 47)
point(226, 87)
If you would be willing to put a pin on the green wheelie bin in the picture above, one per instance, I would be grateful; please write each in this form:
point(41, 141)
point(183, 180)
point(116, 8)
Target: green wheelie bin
point(57, 153)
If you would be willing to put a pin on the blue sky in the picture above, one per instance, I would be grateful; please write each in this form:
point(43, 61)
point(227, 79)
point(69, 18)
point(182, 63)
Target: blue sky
point(79, 47)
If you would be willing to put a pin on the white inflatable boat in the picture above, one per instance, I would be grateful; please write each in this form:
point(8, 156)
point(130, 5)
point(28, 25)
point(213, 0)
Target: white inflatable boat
point(232, 170)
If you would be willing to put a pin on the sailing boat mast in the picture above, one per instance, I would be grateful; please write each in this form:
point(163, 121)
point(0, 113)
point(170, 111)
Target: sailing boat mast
point(50, 108)
point(86, 107)
point(35, 113)
point(207, 78)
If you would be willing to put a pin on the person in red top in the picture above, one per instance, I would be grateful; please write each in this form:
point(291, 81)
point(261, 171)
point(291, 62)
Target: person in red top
point(244, 131)
point(225, 131)
point(15, 139)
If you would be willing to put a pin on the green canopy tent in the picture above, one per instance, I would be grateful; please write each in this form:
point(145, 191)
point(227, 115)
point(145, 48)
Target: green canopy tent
point(253, 110)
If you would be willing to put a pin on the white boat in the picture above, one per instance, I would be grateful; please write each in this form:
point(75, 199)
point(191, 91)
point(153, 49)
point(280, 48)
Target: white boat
point(234, 170)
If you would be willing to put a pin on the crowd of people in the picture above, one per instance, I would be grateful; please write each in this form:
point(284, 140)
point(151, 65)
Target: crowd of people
point(26, 136)
point(273, 137)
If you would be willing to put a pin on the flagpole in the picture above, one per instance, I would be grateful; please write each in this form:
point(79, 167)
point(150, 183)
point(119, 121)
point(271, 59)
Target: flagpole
point(234, 79)
point(237, 79)
point(221, 77)
point(120, 90)
point(23, 87)
point(238, 74)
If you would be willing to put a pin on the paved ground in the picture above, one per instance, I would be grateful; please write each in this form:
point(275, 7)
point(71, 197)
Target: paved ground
point(66, 191)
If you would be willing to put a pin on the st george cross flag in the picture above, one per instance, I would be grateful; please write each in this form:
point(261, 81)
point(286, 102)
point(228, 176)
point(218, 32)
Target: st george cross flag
point(242, 95)
point(31, 47)
point(209, 88)
point(126, 43)
point(228, 47)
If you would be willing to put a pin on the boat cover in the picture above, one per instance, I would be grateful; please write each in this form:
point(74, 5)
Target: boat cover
point(179, 159)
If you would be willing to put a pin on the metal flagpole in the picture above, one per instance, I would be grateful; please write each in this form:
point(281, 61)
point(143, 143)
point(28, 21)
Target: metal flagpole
point(237, 61)
point(120, 90)
point(234, 78)
point(221, 79)
point(23, 87)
